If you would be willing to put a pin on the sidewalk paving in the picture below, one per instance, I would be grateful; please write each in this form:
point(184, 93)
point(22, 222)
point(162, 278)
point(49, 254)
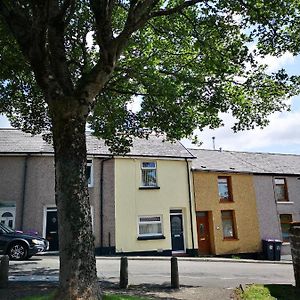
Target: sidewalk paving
point(23, 289)
point(285, 259)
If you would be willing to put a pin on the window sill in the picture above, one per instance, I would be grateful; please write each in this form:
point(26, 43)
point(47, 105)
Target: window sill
point(149, 188)
point(230, 239)
point(286, 243)
point(153, 237)
point(285, 202)
point(226, 201)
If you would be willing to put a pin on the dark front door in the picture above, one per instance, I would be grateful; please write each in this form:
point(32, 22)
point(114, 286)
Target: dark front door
point(52, 230)
point(177, 233)
point(203, 233)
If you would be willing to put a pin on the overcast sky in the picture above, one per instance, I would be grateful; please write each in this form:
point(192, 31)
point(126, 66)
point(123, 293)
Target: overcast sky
point(281, 135)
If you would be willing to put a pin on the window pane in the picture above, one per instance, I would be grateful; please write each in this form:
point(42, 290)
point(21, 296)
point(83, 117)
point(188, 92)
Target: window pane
point(285, 220)
point(149, 165)
point(227, 224)
point(149, 229)
point(279, 181)
point(149, 177)
point(88, 174)
point(223, 188)
point(280, 193)
point(280, 189)
point(149, 219)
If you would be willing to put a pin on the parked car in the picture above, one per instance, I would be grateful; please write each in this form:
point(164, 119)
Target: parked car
point(18, 245)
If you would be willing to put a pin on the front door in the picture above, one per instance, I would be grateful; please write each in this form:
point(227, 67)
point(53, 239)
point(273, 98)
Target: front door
point(52, 229)
point(177, 231)
point(203, 233)
point(8, 215)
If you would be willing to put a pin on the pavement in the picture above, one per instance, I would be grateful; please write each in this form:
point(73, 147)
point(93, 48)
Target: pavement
point(150, 291)
point(285, 259)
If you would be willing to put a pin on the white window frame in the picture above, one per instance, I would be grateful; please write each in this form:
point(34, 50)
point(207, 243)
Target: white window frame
point(143, 184)
point(150, 222)
point(90, 163)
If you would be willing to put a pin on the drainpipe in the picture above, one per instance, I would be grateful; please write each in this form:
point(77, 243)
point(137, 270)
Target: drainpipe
point(190, 202)
point(101, 201)
point(24, 191)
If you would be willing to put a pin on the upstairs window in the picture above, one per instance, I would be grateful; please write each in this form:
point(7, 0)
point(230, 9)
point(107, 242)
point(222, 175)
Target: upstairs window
point(149, 174)
point(89, 172)
point(224, 187)
point(280, 190)
point(285, 221)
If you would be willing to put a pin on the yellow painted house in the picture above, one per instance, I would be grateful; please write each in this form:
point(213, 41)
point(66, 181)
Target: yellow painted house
point(154, 205)
point(225, 203)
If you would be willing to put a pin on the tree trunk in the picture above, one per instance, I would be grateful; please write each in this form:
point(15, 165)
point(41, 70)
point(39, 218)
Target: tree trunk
point(78, 276)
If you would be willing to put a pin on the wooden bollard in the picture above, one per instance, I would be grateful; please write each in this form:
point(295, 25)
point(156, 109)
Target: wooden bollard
point(124, 273)
point(4, 263)
point(174, 273)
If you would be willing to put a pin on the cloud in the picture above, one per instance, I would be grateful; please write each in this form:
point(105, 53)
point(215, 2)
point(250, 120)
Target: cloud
point(4, 123)
point(276, 63)
point(282, 133)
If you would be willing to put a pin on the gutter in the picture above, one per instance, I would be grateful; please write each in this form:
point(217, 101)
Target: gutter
point(102, 201)
point(24, 191)
point(190, 202)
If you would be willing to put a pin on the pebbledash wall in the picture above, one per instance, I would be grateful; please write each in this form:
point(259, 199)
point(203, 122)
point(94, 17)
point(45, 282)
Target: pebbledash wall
point(173, 194)
point(269, 210)
point(27, 186)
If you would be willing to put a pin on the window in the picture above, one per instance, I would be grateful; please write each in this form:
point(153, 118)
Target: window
point(224, 187)
point(285, 221)
point(149, 178)
point(280, 189)
point(89, 172)
point(150, 226)
point(228, 224)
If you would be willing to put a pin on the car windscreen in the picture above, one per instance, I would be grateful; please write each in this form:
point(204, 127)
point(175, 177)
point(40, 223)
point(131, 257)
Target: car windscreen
point(6, 229)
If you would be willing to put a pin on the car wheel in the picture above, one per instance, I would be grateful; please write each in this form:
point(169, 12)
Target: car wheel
point(17, 251)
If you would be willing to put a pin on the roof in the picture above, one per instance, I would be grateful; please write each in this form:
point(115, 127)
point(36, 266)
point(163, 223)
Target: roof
point(14, 141)
point(246, 162)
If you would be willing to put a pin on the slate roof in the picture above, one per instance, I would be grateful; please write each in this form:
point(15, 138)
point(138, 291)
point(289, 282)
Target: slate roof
point(14, 141)
point(246, 162)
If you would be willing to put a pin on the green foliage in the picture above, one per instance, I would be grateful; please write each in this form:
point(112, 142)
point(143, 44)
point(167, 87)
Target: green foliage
point(256, 292)
point(185, 68)
point(269, 292)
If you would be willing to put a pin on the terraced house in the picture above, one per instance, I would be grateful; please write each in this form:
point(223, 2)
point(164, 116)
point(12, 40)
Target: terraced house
point(140, 203)
point(242, 198)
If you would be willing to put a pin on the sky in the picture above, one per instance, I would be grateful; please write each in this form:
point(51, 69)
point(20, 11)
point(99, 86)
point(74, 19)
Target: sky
point(282, 135)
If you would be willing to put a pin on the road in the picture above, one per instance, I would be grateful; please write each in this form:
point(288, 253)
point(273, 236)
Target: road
point(192, 273)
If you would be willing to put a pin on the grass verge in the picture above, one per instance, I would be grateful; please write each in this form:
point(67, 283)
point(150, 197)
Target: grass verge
point(269, 292)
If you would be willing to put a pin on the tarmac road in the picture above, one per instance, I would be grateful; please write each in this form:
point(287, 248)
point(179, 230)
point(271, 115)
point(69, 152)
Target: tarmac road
point(193, 272)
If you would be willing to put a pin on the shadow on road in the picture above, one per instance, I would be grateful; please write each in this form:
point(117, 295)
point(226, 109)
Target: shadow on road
point(283, 291)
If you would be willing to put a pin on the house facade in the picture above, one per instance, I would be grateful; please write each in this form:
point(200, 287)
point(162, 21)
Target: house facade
point(226, 211)
point(273, 182)
point(155, 212)
point(140, 203)
point(27, 198)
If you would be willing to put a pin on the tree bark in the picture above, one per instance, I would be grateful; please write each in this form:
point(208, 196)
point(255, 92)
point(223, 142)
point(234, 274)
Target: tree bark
point(78, 276)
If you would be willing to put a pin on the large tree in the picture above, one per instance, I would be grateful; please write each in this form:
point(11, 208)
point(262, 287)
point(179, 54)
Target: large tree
point(66, 62)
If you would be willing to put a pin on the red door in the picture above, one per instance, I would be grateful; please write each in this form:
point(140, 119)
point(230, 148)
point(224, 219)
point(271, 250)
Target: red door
point(203, 233)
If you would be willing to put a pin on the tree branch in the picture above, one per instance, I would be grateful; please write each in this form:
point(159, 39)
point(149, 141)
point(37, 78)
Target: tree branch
point(174, 10)
point(57, 52)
